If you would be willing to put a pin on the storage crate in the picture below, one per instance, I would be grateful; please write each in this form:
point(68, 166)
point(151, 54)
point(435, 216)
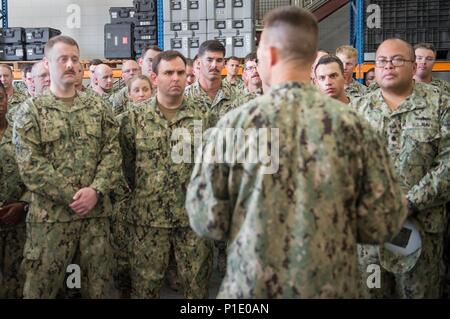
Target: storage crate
point(236, 43)
point(188, 45)
point(40, 35)
point(12, 35)
point(119, 41)
point(145, 18)
point(145, 33)
point(140, 45)
point(12, 52)
point(34, 51)
point(144, 5)
point(185, 27)
point(123, 15)
point(231, 25)
point(184, 10)
point(230, 9)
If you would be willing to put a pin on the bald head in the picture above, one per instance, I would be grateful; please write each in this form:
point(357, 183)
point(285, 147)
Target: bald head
point(406, 47)
point(41, 78)
point(103, 77)
point(130, 69)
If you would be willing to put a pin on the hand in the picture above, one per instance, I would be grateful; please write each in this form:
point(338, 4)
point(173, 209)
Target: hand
point(84, 201)
point(12, 214)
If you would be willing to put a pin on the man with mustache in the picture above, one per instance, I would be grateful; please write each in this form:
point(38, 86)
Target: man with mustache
point(414, 121)
point(425, 59)
point(250, 75)
point(158, 221)
point(209, 92)
point(41, 78)
point(69, 158)
point(215, 97)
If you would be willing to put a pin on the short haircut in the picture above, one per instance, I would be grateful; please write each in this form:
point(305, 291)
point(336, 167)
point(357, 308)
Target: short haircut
point(27, 68)
point(136, 78)
point(294, 30)
point(348, 51)
point(35, 67)
point(211, 46)
point(6, 66)
point(151, 47)
point(423, 45)
point(410, 47)
point(251, 57)
point(166, 56)
point(195, 58)
point(189, 62)
point(327, 59)
point(95, 62)
point(59, 39)
point(235, 58)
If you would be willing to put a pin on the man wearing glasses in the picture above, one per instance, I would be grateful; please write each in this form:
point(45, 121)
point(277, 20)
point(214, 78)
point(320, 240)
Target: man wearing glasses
point(425, 59)
point(414, 121)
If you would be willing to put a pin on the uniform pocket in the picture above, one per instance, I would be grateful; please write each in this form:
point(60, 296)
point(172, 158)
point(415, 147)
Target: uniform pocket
point(420, 146)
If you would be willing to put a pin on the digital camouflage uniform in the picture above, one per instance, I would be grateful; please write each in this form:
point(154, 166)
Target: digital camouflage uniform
point(61, 148)
point(293, 233)
point(119, 101)
point(442, 84)
point(21, 87)
point(239, 85)
point(416, 135)
point(158, 220)
point(224, 101)
point(12, 238)
point(355, 89)
point(15, 100)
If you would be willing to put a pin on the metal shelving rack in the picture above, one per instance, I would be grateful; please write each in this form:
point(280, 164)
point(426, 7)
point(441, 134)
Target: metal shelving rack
point(160, 23)
point(357, 34)
point(4, 13)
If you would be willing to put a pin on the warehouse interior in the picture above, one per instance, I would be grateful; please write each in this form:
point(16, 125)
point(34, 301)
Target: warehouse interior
point(119, 31)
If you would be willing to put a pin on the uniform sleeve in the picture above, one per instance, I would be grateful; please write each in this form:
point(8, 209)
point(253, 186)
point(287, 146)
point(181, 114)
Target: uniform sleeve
point(110, 157)
point(381, 206)
point(207, 200)
point(11, 185)
point(37, 173)
point(434, 188)
point(128, 147)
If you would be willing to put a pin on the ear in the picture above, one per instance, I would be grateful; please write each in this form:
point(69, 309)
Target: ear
point(414, 66)
point(45, 60)
point(273, 56)
point(139, 61)
point(154, 80)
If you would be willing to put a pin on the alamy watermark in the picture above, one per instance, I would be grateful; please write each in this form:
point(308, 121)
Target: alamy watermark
point(229, 145)
point(73, 280)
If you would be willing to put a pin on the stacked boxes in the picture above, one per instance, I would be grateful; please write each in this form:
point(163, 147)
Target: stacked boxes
point(145, 31)
point(12, 44)
point(185, 26)
point(18, 44)
point(188, 23)
point(131, 29)
point(36, 38)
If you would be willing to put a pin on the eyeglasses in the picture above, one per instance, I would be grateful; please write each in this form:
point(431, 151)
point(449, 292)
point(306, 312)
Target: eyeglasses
point(381, 63)
point(251, 68)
